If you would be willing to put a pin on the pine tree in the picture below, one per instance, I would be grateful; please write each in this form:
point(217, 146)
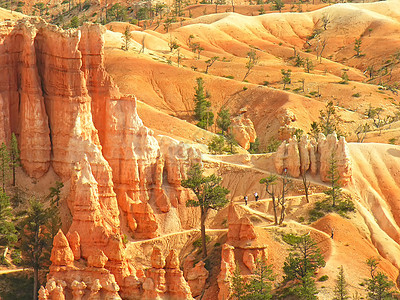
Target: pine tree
point(224, 120)
point(259, 285)
point(301, 264)
point(126, 38)
point(357, 47)
point(5, 162)
point(335, 192)
point(209, 193)
point(378, 287)
point(237, 284)
point(54, 222)
point(252, 61)
point(286, 77)
point(340, 291)
point(216, 145)
point(8, 234)
point(35, 240)
point(328, 120)
point(14, 156)
point(231, 141)
point(202, 111)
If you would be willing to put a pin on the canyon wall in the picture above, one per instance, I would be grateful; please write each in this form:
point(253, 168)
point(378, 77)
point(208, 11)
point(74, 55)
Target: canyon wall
point(68, 115)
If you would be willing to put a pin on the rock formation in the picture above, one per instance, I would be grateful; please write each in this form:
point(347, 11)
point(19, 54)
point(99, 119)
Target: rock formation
point(243, 130)
point(69, 279)
point(68, 115)
point(195, 275)
point(243, 244)
point(165, 279)
point(314, 156)
point(227, 269)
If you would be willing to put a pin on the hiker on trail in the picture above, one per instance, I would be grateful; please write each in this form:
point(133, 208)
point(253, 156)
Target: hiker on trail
point(256, 196)
point(245, 199)
point(332, 232)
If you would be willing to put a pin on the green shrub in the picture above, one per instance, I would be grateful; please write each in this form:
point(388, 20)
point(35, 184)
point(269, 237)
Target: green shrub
point(16, 257)
point(216, 145)
point(245, 88)
point(323, 278)
point(273, 145)
point(229, 76)
point(198, 244)
point(356, 95)
point(291, 239)
point(343, 207)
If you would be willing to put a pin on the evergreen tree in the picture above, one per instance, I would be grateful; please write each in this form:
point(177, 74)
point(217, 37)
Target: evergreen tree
point(126, 38)
point(378, 287)
point(254, 147)
point(340, 291)
point(5, 162)
point(209, 193)
point(8, 234)
point(224, 120)
point(277, 5)
point(216, 145)
point(35, 240)
point(301, 264)
point(55, 192)
point(357, 47)
point(327, 119)
point(237, 284)
point(54, 222)
point(231, 141)
point(252, 61)
point(14, 156)
point(306, 290)
point(286, 77)
point(259, 285)
point(202, 111)
point(335, 192)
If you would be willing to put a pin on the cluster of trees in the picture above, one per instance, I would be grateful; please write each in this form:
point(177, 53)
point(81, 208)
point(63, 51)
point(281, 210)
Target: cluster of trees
point(300, 269)
point(205, 119)
point(27, 229)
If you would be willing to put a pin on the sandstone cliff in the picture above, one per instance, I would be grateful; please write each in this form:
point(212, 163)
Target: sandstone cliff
point(68, 115)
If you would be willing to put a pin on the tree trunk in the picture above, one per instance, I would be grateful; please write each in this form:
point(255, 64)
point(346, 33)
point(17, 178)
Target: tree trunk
point(275, 213)
point(203, 232)
point(35, 282)
point(13, 175)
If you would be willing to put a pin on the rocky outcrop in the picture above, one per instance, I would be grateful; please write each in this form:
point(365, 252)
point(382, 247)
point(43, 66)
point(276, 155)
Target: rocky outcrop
point(227, 269)
point(69, 279)
point(243, 130)
point(195, 275)
point(164, 279)
point(177, 287)
point(61, 254)
point(240, 230)
point(69, 115)
point(314, 156)
point(243, 245)
point(22, 104)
